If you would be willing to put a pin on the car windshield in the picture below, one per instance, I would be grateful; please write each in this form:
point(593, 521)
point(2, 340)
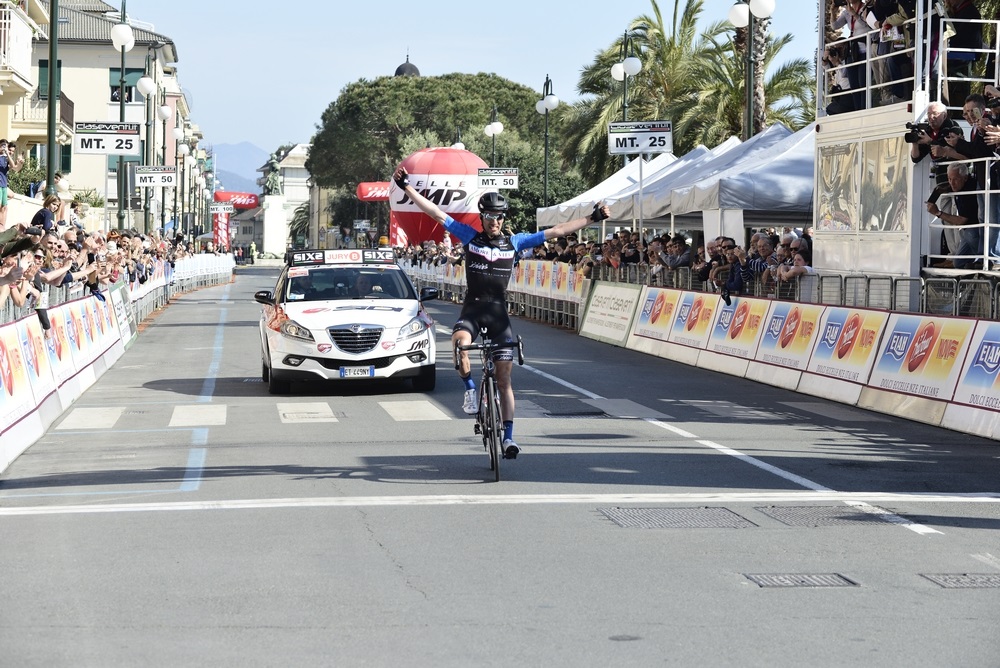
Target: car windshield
point(313, 284)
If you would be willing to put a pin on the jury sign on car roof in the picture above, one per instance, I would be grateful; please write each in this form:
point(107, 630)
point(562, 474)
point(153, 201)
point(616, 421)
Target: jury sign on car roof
point(343, 256)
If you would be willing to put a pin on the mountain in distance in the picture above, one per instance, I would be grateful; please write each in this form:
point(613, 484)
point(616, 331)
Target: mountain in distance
point(236, 166)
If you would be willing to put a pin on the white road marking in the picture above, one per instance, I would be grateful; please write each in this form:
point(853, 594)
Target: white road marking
point(987, 559)
point(513, 499)
point(626, 409)
point(104, 417)
point(892, 518)
point(560, 381)
point(834, 412)
point(753, 461)
point(671, 428)
point(728, 409)
point(413, 411)
point(199, 415)
point(305, 411)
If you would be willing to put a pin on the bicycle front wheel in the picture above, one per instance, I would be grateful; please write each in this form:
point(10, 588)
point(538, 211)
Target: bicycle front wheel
point(491, 420)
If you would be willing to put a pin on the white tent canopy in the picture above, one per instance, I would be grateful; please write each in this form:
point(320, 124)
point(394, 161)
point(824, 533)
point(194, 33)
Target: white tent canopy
point(582, 204)
point(622, 203)
point(657, 200)
point(778, 179)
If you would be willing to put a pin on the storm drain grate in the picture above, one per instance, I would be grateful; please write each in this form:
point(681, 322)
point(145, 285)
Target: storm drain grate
point(134, 412)
point(252, 380)
point(577, 414)
point(964, 580)
point(826, 516)
point(676, 518)
point(800, 580)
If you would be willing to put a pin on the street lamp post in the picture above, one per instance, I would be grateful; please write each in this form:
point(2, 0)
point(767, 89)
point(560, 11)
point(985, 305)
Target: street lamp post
point(627, 67)
point(147, 87)
point(164, 112)
point(744, 14)
point(182, 151)
point(123, 40)
point(492, 130)
point(548, 102)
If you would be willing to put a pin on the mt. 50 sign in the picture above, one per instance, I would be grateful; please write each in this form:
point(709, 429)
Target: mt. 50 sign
point(107, 138)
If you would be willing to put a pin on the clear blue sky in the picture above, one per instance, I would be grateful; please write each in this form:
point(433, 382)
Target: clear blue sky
point(264, 71)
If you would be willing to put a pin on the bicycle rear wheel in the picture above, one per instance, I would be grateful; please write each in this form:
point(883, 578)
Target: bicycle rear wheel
point(491, 419)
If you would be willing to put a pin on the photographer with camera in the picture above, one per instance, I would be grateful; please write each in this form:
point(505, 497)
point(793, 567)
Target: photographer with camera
point(838, 85)
point(978, 147)
point(967, 206)
point(922, 136)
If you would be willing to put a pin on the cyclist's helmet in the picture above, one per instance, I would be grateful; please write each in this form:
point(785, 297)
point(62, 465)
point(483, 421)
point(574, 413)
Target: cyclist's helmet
point(492, 203)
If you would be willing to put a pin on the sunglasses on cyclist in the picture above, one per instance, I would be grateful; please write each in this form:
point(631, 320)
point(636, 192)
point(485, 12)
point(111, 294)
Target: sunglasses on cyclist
point(492, 216)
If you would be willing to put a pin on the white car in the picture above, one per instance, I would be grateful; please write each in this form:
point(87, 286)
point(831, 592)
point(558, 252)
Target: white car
point(345, 315)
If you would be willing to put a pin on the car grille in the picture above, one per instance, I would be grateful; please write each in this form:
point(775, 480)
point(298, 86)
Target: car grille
point(356, 338)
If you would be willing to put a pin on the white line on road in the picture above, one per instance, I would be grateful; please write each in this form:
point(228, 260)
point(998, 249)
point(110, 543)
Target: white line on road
point(513, 499)
point(91, 418)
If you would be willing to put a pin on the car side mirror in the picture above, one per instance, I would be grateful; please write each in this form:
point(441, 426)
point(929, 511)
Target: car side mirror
point(264, 297)
point(427, 294)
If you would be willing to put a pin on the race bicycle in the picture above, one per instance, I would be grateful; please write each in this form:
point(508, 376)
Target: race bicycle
point(489, 422)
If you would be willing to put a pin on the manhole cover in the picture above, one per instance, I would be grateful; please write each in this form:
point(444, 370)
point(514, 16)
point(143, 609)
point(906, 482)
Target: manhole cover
point(825, 516)
point(800, 580)
point(964, 580)
point(676, 518)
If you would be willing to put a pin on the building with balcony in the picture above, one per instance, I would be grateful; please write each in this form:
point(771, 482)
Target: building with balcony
point(89, 73)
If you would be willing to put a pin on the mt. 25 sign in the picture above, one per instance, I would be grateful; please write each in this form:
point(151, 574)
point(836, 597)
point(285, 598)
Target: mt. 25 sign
point(630, 138)
point(107, 138)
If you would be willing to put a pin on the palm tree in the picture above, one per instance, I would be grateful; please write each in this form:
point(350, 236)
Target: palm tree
point(696, 81)
point(298, 227)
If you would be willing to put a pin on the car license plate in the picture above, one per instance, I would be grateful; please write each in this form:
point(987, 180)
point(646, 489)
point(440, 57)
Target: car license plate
point(357, 371)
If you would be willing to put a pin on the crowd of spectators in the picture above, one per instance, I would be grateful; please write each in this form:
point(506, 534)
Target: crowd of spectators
point(54, 254)
point(871, 42)
point(775, 260)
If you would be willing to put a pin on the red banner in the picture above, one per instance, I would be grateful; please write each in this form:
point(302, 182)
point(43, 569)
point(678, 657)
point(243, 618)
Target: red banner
point(373, 192)
point(238, 200)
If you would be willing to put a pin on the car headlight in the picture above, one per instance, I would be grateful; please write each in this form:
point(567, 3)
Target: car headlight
point(415, 327)
point(294, 330)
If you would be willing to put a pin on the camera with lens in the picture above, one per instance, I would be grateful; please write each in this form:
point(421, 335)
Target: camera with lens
point(915, 130)
point(992, 102)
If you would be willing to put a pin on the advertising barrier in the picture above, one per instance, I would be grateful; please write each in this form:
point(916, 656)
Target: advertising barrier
point(938, 370)
point(43, 373)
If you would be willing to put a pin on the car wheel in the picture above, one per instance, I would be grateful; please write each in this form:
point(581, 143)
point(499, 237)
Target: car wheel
point(275, 386)
point(427, 379)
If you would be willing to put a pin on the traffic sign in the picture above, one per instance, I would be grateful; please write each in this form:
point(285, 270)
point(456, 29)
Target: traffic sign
point(497, 177)
point(100, 138)
point(634, 137)
point(221, 207)
point(153, 176)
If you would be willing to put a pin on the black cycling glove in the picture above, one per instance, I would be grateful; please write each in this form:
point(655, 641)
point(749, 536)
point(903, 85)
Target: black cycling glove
point(598, 215)
point(401, 181)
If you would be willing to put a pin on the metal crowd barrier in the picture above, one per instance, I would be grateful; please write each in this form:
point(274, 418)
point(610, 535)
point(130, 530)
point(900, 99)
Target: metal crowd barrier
point(143, 307)
point(969, 297)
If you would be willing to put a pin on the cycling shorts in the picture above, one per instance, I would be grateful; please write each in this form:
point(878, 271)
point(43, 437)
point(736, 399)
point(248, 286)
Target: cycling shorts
point(493, 316)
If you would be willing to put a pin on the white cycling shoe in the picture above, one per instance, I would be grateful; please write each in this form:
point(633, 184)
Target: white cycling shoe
point(470, 405)
point(510, 449)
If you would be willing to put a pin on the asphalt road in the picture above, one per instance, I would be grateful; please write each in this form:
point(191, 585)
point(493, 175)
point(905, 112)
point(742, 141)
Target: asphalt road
point(178, 515)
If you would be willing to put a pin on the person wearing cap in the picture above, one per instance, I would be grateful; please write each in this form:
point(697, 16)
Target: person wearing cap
point(8, 163)
point(489, 263)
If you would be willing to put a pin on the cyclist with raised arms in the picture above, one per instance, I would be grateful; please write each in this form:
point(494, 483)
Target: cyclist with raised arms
point(489, 262)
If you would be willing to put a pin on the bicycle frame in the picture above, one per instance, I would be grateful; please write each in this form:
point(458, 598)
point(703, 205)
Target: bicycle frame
point(489, 420)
